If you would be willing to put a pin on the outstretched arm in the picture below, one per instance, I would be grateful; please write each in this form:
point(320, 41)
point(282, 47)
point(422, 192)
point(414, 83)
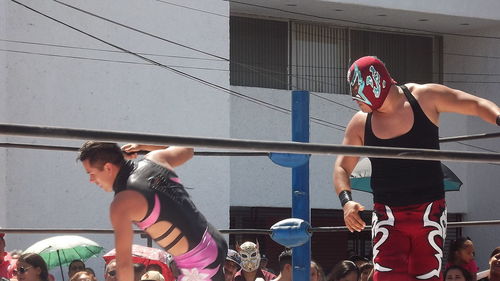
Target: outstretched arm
point(342, 170)
point(451, 100)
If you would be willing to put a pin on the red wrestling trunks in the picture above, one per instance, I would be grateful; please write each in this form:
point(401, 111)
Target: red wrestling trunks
point(408, 241)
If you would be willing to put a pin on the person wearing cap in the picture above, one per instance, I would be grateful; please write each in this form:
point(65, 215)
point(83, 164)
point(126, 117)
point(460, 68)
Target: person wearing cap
point(152, 275)
point(231, 265)
point(409, 220)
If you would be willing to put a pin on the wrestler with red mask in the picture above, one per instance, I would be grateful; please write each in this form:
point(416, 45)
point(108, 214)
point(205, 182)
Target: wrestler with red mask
point(409, 218)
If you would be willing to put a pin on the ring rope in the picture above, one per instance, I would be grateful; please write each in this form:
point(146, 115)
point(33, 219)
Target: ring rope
point(262, 146)
point(75, 149)
point(470, 137)
point(231, 231)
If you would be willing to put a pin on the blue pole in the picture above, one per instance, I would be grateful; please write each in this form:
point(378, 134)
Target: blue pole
point(301, 257)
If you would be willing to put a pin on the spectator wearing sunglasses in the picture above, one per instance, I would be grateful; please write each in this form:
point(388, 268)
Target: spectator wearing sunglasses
point(110, 271)
point(31, 267)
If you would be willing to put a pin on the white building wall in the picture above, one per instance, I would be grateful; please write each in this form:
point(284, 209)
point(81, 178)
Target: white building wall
point(107, 90)
point(42, 189)
point(3, 96)
point(485, 9)
point(481, 181)
point(257, 181)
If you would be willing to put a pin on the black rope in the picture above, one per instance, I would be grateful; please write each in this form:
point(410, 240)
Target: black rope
point(228, 231)
point(470, 137)
point(248, 145)
point(75, 149)
point(369, 227)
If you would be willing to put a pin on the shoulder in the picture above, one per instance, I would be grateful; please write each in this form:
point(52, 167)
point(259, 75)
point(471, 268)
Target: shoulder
point(357, 124)
point(129, 203)
point(358, 120)
point(430, 90)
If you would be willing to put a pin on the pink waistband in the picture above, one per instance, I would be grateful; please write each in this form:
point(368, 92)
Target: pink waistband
point(193, 263)
point(153, 217)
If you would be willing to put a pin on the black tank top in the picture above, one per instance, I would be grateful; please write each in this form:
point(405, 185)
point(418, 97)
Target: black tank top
point(150, 179)
point(400, 182)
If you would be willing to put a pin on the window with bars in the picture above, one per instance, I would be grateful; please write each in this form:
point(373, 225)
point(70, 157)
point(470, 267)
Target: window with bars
point(409, 58)
point(258, 53)
point(319, 58)
point(314, 57)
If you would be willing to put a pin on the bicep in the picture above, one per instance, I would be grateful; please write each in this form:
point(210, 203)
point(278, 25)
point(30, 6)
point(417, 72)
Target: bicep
point(354, 135)
point(451, 100)
point(173, 155)
point(122, 222)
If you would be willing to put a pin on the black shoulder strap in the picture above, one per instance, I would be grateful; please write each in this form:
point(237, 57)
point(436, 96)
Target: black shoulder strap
point(408, 94)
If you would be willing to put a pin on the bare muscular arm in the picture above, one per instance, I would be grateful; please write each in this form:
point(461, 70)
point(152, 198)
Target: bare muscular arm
point(126, 207)
point(445, 99)
point(171, 156)
point(342, 170)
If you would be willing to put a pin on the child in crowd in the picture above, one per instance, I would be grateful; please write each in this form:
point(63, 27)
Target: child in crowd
point(457, 273)
point(462, 254)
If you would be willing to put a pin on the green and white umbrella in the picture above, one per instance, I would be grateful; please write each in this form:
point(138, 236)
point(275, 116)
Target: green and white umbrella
point(62, 250)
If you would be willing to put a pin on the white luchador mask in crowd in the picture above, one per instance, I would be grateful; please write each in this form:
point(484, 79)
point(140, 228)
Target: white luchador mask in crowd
point(250, 256)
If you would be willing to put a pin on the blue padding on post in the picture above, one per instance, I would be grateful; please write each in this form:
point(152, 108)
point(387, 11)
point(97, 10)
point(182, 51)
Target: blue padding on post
point(291, 232)
point(289, 160)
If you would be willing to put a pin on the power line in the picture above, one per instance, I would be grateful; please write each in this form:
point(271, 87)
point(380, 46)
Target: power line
point(106, 60)
point(332, 101)
point(189, 76)
point(249, 67)
point(191, 8)
point(208, 59)
point(141, 31)
point(252, 68)
point(219, 69)
point(102, 50)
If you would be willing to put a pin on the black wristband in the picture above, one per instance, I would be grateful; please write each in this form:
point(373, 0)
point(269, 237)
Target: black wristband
point(498, 120)
point(345, 196)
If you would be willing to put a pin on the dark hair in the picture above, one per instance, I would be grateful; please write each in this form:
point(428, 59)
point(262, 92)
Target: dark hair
point(100, 153)
point(356, 258)
point(138, 267)
point(90, 270)
point(154, 267)
point(75, 261)
point(319, 269)
point(79, 274)
point(467, 275)
point(366, 267)
point(342, 269)
point(456, 245)
point(36, 260)
point(285, 258)
point(495, 251)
